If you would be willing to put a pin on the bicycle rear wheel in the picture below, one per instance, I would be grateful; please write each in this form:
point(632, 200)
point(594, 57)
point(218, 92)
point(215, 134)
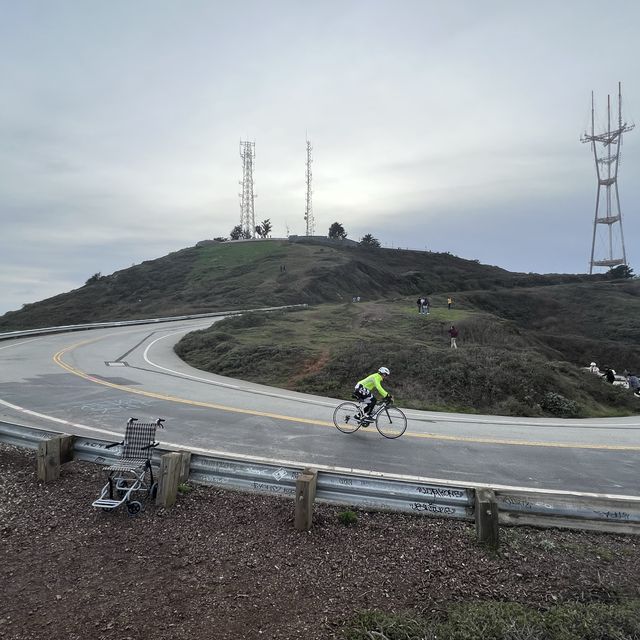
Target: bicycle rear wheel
point(344, 417)
point(391, 422)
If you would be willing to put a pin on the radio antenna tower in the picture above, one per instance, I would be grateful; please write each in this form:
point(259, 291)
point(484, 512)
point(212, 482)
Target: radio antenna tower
point(308, 210)
point(607, 223)
point(247, 197)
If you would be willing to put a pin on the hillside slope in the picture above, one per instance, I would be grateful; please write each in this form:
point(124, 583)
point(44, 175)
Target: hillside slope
point(499, 367)
point(234, 275)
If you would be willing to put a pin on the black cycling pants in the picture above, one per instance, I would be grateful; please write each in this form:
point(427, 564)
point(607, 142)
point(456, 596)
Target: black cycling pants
point(365, 396)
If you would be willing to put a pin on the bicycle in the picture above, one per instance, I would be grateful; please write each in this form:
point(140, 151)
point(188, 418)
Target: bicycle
point(390, 421)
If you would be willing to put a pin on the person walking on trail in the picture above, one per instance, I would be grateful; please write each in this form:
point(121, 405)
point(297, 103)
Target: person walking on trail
point(453, 334)
point(449, 302)
point(364, 391)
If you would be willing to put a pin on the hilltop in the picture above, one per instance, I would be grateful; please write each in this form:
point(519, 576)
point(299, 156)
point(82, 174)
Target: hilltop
point(221, 276)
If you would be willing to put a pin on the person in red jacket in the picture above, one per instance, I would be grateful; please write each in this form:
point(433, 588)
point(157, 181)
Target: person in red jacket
point(453, 334)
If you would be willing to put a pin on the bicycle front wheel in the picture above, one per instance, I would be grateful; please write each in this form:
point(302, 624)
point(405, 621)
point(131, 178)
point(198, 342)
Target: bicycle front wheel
point(391, 422)
point(344, 417)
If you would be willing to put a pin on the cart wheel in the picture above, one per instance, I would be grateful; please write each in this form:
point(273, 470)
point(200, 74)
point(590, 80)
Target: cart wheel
point(134, 508)
point(153, 490)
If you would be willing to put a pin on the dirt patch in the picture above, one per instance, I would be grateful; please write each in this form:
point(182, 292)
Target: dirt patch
point(311, 367)
point(227, 565)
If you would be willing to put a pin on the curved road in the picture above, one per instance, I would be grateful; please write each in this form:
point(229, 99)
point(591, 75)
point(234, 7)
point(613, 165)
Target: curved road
point(89, 383)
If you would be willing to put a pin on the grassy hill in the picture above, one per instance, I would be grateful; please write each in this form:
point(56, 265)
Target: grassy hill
point(499, 367)
point(524, 337)
point(234, 275)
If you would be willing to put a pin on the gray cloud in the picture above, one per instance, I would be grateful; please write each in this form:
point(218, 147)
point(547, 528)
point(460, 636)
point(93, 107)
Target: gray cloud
point(449, 127)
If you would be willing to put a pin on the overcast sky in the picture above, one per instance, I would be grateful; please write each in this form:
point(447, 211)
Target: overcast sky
point(451, 126)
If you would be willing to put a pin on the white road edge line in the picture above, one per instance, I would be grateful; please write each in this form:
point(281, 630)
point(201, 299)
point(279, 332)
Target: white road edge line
point(17, 344)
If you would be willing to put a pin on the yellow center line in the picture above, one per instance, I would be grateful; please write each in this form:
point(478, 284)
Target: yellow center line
point(57, 358)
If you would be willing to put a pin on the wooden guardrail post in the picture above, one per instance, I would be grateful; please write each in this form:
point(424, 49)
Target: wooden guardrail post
point(305, 495)
point(486, 516)
point(185, 465)
point(168, 479)
point(51, 454)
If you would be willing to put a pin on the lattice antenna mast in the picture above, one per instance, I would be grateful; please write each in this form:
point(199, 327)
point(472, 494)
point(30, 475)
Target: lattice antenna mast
point(308, 210)
point(247, 196)
point(606, 153)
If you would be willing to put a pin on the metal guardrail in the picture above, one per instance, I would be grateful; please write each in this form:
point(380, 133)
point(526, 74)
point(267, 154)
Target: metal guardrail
point(594, 512)
point(332, 486)
point(519, 507)
point(126, 323)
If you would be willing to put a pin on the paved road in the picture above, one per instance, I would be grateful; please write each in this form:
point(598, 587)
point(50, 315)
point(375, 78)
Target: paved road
point(90, 382)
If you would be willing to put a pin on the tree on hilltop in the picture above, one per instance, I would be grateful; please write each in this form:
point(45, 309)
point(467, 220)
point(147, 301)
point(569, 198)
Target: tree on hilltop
point(237, 233)
point(369, 241)
point(621, 271)
point(336, 230)
point(96, 277)
point(264, 228)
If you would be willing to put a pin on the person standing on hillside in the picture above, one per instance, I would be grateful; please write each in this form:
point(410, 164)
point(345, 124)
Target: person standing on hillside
point(610, 375)
point(427, 304)
point(420, 302)
point(449, 302)
point(364, 391)
point(453, 334)
point(634, 383)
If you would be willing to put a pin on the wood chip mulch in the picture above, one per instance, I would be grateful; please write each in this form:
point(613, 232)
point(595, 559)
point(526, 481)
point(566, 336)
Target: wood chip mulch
point(222, 565)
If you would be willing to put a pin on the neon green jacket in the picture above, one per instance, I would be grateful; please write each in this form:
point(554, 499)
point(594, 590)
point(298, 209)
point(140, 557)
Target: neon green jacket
point(373, 381)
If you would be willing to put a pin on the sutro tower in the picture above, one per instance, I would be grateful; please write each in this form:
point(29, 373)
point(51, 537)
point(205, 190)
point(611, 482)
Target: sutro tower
point(247, 197)
point(308, 210)
point(607, 223)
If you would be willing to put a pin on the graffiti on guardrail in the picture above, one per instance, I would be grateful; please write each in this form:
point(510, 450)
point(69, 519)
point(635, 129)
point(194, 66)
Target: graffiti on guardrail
point(429, 507)
point(273, 488)
point(280, 473)
point(526, 505)
point(515, 501)
point(218, 466)
point(437, 492)
point(614, 515)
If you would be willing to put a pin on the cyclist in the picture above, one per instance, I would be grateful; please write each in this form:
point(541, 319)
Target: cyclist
point(364, 391)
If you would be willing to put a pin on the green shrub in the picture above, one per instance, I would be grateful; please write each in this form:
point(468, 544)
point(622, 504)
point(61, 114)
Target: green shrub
point(558, 405)
point(348, 518)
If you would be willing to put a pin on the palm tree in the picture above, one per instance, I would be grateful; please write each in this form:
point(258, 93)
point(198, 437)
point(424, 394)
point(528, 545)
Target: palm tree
point(369, 240)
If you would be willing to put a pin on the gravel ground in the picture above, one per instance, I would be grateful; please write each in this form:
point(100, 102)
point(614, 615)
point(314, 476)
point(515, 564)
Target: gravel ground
point(228, 565)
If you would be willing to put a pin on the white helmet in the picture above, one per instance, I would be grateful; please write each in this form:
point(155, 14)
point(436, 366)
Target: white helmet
point(384, 371)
